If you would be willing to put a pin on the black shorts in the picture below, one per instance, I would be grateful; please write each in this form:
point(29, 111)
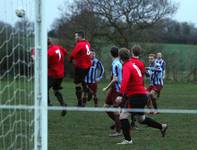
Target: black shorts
point(138, 101)
point(80, 75)
point(55, 83)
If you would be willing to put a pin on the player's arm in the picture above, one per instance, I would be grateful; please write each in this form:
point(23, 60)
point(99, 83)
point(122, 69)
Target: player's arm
point(74, 52)
point(101, 68)
point(148, 72)
point(65, 52)
point(114, 79)
point(143, 70)
point(125, 79)
point(164, 69)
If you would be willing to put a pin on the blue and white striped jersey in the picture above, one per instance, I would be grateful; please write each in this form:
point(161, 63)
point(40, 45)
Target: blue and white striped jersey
point(117, 72)
point(161, 62)
point(92, 75)
point(155, 74)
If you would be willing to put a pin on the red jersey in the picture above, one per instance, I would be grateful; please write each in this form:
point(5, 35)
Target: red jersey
point(81, 54)
point(56, 55)
point(132, 80)
point(139, 63)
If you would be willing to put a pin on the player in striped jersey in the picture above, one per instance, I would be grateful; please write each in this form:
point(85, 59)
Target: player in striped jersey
point(93, 77)
point(155, 74)
point(114, 86)
point(160, 60)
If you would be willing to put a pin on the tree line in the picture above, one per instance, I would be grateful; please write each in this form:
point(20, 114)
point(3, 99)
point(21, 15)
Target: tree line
point(124, 23)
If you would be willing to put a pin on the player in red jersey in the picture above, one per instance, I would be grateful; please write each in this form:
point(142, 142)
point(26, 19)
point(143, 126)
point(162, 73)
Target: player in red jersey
point(136, 51)
point(135, 58)
point(80, 57)
point(132, 86)
point(56, 55)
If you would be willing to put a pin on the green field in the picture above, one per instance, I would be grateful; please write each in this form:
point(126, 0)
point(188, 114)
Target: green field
point(89, 130)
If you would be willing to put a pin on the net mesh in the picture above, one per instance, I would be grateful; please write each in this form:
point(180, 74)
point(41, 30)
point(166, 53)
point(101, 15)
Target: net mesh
point(16, 74)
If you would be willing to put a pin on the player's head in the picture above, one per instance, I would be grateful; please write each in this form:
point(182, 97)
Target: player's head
point(151, 58)
point(49, 42)
point(136, 50)
point(114, 52)
point(159, 55)
point(92, 54)
point(124, 54)
point(80, 35)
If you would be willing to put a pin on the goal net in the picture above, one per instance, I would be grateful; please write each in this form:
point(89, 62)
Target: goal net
point(18, 117)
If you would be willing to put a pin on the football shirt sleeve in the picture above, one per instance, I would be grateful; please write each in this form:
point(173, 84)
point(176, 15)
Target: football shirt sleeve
point(75, 51)
point(125, 79)
point(101, 68)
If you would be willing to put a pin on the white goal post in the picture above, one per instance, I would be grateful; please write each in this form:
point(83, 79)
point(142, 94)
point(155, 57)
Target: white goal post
point(23, 81)
point(41, 105)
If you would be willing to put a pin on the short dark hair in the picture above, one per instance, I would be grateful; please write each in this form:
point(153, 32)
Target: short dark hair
point(136, 49)
point(114, 51)
point(49, 42)
point(81, 33)
point(124, 54)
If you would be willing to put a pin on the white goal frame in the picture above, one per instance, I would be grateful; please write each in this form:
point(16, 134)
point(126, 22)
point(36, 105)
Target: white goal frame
point(40, 73)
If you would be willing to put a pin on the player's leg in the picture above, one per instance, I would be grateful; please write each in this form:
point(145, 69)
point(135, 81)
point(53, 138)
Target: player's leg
point(133, 121)
point(117, 125)
point(85, 93)
point(139, 102)
point(109, 103)
point(152, 123)
point(56, 88)
point(92, 92)
point(85, 88)
point(50, 83)
point(95, 101)
point(116, 114)
point(125, 128)
point(78, 86)
point(154, 97)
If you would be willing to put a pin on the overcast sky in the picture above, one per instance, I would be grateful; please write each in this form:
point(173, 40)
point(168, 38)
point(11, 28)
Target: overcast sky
point(186, 12)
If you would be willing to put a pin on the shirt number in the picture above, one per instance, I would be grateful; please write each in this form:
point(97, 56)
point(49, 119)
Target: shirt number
point(138, 70)
point(59, 54)
point(88, 50)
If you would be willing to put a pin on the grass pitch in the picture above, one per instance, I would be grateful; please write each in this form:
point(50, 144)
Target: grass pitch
point(90, 130)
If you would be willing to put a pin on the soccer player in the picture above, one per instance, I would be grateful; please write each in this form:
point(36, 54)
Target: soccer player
point(132, 86)
point(56, 55)
point(80, 57)
point(92, 78)
point(160, 61)
point(135, 58)
point(155, 74)
point(136, 51)
point(116, 78)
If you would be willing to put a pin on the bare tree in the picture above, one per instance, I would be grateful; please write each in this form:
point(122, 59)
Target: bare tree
point(125, 17)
